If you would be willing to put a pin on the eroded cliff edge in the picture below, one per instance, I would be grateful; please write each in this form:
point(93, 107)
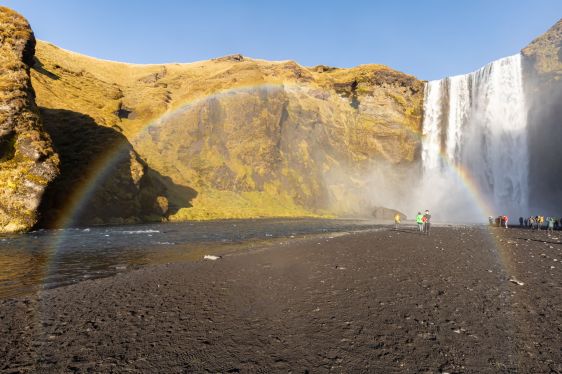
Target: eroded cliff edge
point(27, 160)
point(543, 85)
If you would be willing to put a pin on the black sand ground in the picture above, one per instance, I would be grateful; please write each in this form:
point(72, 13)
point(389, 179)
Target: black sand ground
point(379, 302)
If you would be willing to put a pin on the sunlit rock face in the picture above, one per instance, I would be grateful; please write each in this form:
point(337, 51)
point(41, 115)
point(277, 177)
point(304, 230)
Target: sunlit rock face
point(231, 137)
point(542, 64)
point(27, 160)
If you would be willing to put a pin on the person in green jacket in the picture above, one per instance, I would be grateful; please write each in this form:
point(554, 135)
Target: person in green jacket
point(419, 221)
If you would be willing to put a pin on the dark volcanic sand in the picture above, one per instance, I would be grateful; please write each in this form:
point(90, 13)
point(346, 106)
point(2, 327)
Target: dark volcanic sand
point(367, 302)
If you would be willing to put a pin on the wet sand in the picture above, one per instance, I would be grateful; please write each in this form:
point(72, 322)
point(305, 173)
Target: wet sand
point(459, 301)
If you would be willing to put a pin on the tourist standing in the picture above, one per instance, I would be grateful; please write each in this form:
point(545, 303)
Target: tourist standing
point(505, 219)
point(520, 221)
point(396, 221)
point(419, 221)
point(550, 227)
point(427, 222)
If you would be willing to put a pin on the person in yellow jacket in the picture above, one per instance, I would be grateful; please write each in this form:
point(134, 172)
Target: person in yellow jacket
point(396, 221)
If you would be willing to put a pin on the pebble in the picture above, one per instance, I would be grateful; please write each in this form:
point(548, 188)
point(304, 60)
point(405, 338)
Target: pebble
point(519, 283)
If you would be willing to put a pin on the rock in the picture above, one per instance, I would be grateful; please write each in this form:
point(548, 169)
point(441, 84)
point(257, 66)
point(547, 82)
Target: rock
point(28, 163)
point(211, 257)
point(386, 214)
point(236, 58)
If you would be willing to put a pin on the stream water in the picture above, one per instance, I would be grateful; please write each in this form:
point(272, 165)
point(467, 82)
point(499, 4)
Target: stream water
point(51, 258)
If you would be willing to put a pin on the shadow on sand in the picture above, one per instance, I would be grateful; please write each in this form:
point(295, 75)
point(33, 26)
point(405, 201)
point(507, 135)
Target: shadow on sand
point(414, 231)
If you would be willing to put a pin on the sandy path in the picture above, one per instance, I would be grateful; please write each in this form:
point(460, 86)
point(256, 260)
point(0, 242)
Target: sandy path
point(367, 302)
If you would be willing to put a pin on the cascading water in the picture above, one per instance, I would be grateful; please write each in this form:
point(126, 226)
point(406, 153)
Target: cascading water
point(477, 123)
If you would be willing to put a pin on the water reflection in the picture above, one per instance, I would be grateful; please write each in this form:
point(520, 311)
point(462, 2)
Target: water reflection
point(51, 258)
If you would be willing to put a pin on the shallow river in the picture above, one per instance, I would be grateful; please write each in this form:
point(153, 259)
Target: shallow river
point(51, 258)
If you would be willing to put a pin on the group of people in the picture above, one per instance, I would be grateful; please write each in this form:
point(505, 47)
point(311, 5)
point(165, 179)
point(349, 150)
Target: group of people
point(500, 221)
point(533, 222)
point(423, 221)
point(537, 222)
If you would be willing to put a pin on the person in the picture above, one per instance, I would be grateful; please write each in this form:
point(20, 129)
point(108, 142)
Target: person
point(526, 222)
point(550, 227)
point(427, 222)
point(491, 220)
point(540, 221)
point(419, 221)
point(396, 221)
point(520, 221)
point(504, 219)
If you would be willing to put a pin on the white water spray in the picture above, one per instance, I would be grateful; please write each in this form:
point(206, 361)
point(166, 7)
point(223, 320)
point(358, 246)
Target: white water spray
point(478, 122)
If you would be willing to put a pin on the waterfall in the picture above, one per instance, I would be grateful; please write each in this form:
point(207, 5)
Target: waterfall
point(477, 122)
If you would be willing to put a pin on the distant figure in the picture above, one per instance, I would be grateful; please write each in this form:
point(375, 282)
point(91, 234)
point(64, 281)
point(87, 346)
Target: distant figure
point(540, 221)
point(550, 227)
point(427, 222)
point(419, 221)
point(504, 219)
point(396, 221)
point(520, 221)
point(491, 220)
point(526, 222)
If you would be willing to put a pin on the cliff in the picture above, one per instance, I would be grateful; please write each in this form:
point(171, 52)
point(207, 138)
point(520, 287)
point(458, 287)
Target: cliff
point(27, 161)
point(543, 85)
point(231, 137)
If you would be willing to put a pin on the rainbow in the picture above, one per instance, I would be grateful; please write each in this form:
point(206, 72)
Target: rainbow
point(100, 171)
point(104, 164)
point(470, 184)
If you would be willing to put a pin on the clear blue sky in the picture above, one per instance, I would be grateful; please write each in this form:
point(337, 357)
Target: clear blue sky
point(430, 39)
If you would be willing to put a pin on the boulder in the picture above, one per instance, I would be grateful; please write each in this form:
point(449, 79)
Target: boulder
point(28, 163)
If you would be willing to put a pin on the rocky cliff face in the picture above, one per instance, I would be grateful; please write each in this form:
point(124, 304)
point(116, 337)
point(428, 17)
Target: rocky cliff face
point(543, 84)
point(231, 137)
point(27, 161)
